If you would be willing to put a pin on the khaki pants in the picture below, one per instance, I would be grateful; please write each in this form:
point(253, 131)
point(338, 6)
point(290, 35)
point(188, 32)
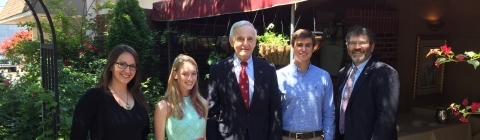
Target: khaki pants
point(316, 138)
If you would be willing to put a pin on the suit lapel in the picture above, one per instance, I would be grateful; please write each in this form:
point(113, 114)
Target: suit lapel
point(229, 66)
point(363, 76)
point(258, 75)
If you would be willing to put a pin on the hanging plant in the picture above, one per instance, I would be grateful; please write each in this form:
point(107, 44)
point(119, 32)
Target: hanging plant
point(274, 47)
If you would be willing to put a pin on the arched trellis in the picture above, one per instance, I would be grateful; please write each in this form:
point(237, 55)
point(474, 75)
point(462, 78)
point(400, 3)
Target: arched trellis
point(48, 56)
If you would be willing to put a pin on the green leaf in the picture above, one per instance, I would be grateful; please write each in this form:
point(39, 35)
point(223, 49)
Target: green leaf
point(209, 61)
point(207, 76)
point(470, 54)
point(441, 59)
point(475, 63)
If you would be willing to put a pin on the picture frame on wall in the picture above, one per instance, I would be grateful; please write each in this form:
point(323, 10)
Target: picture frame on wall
point(428, 77)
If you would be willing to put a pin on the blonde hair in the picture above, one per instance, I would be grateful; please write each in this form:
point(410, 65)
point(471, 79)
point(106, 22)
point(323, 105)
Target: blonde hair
point(173, 96)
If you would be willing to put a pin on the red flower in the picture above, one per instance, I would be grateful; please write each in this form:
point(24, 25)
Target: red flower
point(6, 82)
point(96, 50)
point(456, 112)
point(445, 49)
point(465, 102)
point(66, 63)
point(437, 64)
point(463, 119)
point(460, 57)
point(89, 47)
point(474, 107)
point(80, 52)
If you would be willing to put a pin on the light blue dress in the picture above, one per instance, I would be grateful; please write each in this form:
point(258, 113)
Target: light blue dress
point(190, 127)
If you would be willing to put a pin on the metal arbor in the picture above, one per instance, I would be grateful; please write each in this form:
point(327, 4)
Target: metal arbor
point(48, 56)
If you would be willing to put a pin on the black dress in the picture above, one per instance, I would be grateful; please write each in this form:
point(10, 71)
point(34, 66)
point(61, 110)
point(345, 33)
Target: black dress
point(99, 114)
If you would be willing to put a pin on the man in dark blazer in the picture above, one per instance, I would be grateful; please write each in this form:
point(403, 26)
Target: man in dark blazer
point(367, 98)
point(248, 109)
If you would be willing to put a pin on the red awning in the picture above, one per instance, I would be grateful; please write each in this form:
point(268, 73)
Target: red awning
point(170, 10)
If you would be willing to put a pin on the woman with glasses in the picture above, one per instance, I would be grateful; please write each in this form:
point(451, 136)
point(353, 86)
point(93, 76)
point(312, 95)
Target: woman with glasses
point(182, 112)
point(115, 108)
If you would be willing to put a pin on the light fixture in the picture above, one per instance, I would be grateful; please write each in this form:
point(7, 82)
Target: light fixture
point(434, 25)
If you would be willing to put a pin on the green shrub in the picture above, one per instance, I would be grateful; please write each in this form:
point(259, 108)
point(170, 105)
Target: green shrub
point(129, 26)
point(26, 109)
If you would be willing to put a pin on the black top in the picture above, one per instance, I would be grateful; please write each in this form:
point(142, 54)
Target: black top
point(99, 114)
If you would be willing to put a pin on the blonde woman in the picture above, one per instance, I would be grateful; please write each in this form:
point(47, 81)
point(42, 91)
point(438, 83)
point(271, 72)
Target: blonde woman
point(182, 112)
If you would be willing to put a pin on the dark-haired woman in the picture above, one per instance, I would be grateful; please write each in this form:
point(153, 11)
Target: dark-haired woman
point(115, 108)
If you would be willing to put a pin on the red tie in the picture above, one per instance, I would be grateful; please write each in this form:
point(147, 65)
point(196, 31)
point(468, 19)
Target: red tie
point(243, 84)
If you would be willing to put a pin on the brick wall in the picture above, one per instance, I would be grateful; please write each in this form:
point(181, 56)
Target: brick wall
point(385, 24)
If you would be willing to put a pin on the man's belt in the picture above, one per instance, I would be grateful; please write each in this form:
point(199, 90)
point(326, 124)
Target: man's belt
point(306, 135)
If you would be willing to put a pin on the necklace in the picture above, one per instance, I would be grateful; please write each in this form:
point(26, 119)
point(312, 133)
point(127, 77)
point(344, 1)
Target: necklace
point(127, 106)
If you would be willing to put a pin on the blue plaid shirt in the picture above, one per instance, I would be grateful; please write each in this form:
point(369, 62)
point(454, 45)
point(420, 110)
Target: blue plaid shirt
point(307, 100)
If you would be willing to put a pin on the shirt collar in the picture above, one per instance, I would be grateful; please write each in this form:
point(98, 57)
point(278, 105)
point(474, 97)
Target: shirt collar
point(236, 60)
point(362, 65)
point(297, 69)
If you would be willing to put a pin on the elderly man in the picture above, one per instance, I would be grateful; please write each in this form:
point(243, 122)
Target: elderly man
point(243, 93)
point(307, 94)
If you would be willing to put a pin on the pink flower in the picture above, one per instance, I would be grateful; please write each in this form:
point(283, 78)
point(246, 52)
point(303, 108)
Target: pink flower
point(6, 82)
point(456, 112)
point(460, 57)
point(80, 52)
point(463, 119)
point(474, 107)
point(89, 47)
point(96, 50)
point(445, 49)
point(437, 64)
point(66, 63)
point(465, 102)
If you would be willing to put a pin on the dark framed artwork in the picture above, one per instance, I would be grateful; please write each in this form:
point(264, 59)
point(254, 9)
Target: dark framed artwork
point(428, 77)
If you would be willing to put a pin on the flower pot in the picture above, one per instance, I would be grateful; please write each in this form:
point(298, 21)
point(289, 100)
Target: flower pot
point(278, 55)
point(222, 41)
point(441, 115)
point(207, 42)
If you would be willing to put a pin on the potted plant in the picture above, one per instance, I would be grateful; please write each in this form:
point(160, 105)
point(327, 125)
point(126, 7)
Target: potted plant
point(222, 41)
point(445, 55)
point(274, 47)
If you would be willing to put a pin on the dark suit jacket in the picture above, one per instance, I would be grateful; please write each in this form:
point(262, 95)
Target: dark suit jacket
point(228, 118)
point(372, 108)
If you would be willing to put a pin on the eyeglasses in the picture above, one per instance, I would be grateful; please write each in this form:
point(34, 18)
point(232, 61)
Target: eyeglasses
point(123, 65)
point(245, 40)
point(353, 44)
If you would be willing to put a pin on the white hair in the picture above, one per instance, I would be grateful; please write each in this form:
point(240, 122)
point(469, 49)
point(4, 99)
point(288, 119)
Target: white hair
point(241, 23)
